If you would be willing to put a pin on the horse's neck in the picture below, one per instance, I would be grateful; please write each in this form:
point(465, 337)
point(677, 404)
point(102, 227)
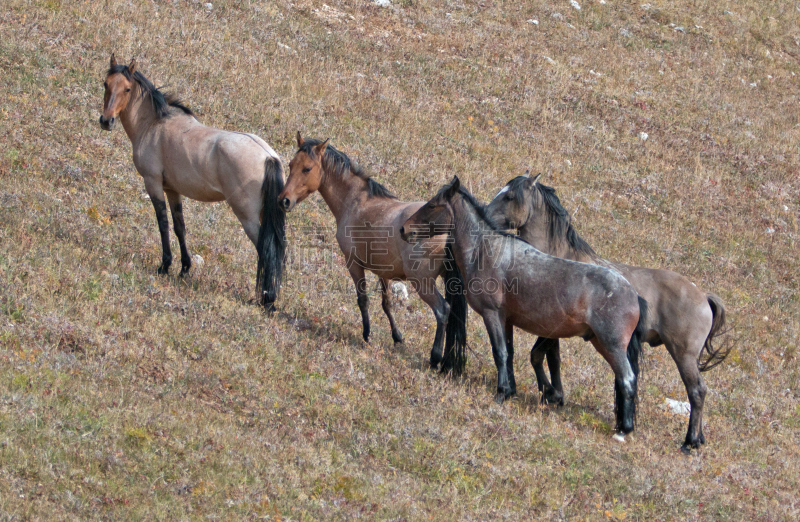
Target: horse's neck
point(339, 193)
point(138, 116)
point(535, 232)
point(469, 233)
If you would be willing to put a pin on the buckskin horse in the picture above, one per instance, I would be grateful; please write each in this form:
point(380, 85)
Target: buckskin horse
point(367, 219)
point(682, 317)
point(178, 156)
point(510, 283)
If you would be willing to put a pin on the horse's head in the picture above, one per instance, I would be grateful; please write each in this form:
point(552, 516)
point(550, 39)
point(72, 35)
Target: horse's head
point(434, 218)
point(118, 87)
point(512, 207)
point(305, 174)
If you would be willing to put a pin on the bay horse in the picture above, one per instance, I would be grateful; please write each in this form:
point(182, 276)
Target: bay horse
point(178, 156)
point(510, 283)
point(368, 216)
point(682, 317)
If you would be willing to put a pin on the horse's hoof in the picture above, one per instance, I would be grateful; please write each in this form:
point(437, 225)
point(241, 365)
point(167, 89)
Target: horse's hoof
point(686, 449)
point(619, 437)
point(500, 397)
point(163, 270)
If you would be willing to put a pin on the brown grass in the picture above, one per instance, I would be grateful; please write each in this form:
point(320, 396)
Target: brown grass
point(128, 396)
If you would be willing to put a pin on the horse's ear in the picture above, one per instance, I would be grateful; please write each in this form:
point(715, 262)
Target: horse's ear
point(531, 181)
point(453, 188)
point(319, 150)
point(113, 60)
point(300, 140)
point(132, 66)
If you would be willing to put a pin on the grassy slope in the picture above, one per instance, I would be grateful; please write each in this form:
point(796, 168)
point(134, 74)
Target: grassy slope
point(123, 394)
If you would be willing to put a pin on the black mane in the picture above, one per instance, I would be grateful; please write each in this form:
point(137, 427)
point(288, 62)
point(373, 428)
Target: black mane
point(480, 210)
point(559, 223)
point(338, 163)
point(161, 101)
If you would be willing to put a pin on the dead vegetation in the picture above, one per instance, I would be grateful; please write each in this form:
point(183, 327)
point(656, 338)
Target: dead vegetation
point(127, 395)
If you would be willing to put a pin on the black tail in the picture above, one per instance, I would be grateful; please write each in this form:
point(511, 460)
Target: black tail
point(714, 357)
point(271, 244)
point(637, 338)
point(625, 423)
point(455, 339)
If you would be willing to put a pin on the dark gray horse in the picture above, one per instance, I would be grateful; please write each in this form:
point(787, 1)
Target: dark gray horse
point(510, 283)
point(682, 317)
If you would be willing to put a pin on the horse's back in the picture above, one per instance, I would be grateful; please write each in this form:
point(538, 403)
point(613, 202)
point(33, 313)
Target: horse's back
point(209, 164)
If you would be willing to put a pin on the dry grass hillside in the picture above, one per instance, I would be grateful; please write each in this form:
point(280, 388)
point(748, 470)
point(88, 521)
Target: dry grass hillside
point(124, 395)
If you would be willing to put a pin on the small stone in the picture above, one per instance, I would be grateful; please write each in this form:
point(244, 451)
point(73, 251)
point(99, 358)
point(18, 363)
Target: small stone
point(383, 3)
point(556, 16)
point(680, 29)
point(643, 136)
point(198, 261)
point(399, 290)
point(533, 21)
point(625, 33)
point(770, 230)
point(575, 5)
point(209, 6)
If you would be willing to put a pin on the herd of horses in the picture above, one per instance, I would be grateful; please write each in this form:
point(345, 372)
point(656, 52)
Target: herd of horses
point(544, 279)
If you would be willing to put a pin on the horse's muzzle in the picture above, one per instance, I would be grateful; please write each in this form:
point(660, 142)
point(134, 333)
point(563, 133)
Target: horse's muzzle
point(408, 237)
point(286, 204)
point(107, 123)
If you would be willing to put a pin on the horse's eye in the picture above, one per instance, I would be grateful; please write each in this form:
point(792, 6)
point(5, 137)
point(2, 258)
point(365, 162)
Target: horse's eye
point(306, 170)
point(128, 90)
point(509, 197)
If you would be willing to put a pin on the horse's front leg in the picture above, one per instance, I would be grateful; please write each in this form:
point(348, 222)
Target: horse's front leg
point(180, 228)
point(427, 291)
point(512, 382)
point(549, 348)
point(163, 227)
point(496, 327)
point(360, 280)
point(386, 302)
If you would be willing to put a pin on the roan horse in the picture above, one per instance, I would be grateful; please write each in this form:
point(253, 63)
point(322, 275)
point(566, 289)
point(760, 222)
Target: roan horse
point(367, 218)
point(178, 156)
point(510, 284)
point(682, 317)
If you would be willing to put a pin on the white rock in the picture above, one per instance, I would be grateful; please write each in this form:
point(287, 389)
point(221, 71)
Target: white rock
point(208, 6)
point(533, 21)
point(680, 29)
point(602, 2)
point(575, 5)
point(770, 230)
point(679, 407)
point(383, 3)
point(619, 437)
point(625, 33)
point(197, 260)
point(400, 290)
point(556, 16)
point(550, 60)
point(785, 208)
point(643, 136)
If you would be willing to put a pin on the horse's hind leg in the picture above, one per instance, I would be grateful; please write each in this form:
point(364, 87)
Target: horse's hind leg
point(386, 302)
point(180, 228)
point(551, 393)
point(496, 328)
point(360, 280)
point(615, 352)
point(427, 291)
point(686, 361)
